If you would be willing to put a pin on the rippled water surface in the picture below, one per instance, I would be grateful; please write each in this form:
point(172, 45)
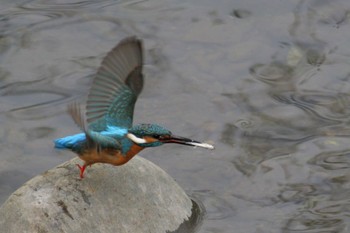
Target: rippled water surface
point(266, 81)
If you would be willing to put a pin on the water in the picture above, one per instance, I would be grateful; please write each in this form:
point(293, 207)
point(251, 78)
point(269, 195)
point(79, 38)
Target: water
point(266, 81)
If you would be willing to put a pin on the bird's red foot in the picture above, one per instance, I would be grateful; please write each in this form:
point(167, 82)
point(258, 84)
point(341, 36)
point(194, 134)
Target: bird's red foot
point(82, 169)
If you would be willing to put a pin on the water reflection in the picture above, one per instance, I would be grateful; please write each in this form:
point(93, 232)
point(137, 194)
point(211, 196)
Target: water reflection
point(195, 221)
point(334, 160)
point(32, 100)
point(308, 223)
point(216, 208)
point(294, 147)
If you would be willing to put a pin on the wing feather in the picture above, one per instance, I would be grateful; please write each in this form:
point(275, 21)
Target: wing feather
point(116, 86)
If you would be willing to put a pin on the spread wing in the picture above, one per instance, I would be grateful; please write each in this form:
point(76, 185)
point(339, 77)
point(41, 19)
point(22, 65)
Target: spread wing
point(115, 88)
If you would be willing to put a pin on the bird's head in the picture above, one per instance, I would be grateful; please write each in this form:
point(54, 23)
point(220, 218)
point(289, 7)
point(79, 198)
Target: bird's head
point(151, 135)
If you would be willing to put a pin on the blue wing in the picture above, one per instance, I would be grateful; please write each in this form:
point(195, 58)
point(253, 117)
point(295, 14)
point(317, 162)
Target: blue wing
point(115, 88)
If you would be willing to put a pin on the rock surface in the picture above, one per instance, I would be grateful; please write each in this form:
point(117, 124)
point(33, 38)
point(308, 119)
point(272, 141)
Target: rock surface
point(136, 197)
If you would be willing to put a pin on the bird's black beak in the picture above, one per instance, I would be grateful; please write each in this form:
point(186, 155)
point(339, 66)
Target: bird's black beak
point(186, 141)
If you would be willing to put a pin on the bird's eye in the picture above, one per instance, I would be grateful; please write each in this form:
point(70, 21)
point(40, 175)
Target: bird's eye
point(157, 136)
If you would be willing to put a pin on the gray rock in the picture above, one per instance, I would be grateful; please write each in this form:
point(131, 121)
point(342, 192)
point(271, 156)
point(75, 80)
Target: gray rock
point(135, 197)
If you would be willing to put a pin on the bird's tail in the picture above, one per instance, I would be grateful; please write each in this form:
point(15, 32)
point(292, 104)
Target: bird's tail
point(69, 141)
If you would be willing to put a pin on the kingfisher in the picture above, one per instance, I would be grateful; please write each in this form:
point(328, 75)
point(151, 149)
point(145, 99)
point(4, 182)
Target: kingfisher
point(108, 135)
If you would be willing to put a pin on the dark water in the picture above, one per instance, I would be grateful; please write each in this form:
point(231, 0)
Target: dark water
point(266, 81)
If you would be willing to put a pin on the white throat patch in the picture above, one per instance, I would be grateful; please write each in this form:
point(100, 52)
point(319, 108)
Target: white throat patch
point(135, 139)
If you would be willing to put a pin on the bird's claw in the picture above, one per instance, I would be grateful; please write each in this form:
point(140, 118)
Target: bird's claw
point(82, 169)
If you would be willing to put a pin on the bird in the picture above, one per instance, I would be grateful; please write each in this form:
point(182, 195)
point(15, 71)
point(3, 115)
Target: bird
point(108, 134)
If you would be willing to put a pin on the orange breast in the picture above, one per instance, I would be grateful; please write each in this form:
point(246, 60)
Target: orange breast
point(110, 156)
